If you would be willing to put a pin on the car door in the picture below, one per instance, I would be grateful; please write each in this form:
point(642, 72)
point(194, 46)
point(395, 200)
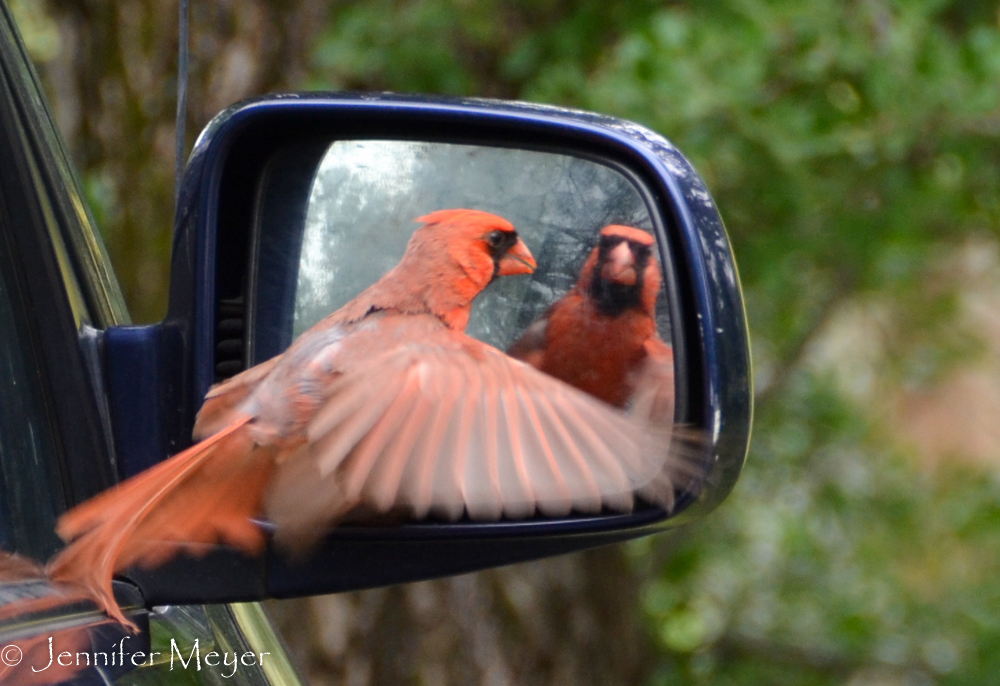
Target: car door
point(57, 295)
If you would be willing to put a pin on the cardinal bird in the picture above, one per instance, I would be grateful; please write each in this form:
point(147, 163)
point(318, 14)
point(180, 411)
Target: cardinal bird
point(601, 336)
point(384, 407)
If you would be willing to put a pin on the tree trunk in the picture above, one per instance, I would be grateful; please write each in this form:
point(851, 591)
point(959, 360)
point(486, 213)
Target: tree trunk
point(571, 621)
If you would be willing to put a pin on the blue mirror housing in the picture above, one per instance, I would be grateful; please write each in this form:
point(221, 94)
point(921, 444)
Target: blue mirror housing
point(254, 167)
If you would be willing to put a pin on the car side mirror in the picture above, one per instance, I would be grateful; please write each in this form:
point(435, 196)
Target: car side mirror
point(293, 204)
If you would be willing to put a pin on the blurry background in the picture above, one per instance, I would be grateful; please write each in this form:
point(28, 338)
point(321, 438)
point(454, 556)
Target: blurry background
point(853, 150)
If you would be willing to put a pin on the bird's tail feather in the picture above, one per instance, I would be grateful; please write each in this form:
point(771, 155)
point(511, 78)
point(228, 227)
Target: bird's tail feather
point(14, 568)
point(136, 521)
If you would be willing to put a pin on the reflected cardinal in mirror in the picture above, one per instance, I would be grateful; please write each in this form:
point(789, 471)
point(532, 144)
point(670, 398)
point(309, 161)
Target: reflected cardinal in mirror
point(384, 407)
point(601, 337)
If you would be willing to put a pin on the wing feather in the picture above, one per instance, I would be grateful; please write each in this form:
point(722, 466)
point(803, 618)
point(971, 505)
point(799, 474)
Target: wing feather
point(510, 453)
point(433, 492)
point(456, 449)
point(478, 473)
point(383, 469)
point(438, 423)
point(223, 398)
point(352, 415)
point(610, 473)
point(583, 477)
point(552, 492)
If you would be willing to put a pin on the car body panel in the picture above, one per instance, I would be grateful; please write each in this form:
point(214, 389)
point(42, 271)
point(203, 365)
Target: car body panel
point(61, 295)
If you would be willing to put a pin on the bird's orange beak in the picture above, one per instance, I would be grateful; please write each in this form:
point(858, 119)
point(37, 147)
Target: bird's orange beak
point(518, 260)
point(620, 266)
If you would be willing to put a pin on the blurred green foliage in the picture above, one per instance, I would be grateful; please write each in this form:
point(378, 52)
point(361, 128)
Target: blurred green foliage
point(852, 147)
point(39, 31)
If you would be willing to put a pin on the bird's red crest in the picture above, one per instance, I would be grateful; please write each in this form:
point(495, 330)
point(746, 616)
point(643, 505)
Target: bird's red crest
point(628, 233)
point(468, 218)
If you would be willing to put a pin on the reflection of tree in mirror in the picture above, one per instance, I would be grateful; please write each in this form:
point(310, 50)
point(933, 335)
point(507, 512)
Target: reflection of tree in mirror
point(367, 194)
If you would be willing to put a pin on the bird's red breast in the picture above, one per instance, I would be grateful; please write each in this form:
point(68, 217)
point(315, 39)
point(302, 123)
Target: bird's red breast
point(598, 336)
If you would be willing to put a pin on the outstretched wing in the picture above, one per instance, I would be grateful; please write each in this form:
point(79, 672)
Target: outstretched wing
point(423, 420)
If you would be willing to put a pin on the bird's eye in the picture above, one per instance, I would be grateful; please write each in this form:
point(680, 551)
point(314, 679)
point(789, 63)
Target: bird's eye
point(495, 238)
point(638, 249)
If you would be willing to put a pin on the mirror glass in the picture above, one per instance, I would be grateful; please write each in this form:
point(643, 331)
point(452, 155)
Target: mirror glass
point(360, 210)
point(366, 195)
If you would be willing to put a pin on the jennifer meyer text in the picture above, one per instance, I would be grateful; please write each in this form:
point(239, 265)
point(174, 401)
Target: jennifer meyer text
point(224, 662)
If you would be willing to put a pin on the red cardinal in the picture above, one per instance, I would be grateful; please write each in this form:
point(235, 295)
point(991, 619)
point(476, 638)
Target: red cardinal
point(601, 336)
point(385, 406)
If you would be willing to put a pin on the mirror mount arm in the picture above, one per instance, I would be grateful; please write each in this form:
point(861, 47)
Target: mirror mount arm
point(145, 375)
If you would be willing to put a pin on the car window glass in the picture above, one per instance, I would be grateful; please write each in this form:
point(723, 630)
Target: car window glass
point(199, 644)
point(27, 494)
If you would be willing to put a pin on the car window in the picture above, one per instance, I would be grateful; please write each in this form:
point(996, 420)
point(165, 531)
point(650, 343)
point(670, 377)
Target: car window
point(28, 495)
point(87, 267)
